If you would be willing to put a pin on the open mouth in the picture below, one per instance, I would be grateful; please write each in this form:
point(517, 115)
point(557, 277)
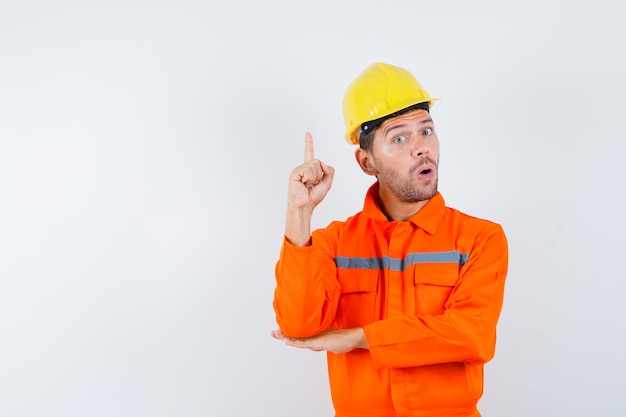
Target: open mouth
point(426, 171)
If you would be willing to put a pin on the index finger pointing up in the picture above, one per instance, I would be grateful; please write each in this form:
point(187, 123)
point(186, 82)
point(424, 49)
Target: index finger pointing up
point(309, 154)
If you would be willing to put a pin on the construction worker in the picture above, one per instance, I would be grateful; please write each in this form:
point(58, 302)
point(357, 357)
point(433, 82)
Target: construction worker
point(405, 295)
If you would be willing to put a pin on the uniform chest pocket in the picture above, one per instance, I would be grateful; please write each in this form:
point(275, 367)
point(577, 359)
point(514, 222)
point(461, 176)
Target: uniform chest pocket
point(433, 284)
point(357, 304)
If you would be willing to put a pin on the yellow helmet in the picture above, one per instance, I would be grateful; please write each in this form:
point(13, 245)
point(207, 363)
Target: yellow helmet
point(380, 91)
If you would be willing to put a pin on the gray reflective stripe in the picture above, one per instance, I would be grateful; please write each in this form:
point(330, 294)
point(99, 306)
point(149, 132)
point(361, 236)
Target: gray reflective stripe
point(396, 264)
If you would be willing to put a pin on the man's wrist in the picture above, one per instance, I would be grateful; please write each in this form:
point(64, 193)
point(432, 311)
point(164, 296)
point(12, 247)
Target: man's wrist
point(298, 227)
point(361, 340)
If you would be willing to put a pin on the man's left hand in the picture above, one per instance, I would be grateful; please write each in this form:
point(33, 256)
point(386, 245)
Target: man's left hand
point(331, 340)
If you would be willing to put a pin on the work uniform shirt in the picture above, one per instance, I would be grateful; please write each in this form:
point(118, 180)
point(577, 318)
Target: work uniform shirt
point(428, 293)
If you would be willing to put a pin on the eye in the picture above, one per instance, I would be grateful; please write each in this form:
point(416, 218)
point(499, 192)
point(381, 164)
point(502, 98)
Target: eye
point(427, 132)
point(399, 139)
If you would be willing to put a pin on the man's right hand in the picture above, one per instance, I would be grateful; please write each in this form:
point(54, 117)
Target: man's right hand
point(308, 185)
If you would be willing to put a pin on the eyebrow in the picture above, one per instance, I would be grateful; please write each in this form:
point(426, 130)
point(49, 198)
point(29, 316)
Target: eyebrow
point(389, 129)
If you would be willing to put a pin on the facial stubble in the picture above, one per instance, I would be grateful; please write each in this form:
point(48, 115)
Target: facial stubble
point(405, 187)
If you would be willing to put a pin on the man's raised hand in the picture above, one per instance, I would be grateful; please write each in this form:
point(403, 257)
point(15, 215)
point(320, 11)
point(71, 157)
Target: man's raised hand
point(308, 185)
point(310, 182)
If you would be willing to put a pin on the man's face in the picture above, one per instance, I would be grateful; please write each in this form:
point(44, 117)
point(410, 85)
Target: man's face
point(405, 153)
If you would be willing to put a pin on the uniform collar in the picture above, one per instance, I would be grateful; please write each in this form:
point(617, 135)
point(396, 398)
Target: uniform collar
point(427, 218)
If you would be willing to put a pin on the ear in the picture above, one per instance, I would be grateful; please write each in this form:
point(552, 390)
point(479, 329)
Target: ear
point(365, 161)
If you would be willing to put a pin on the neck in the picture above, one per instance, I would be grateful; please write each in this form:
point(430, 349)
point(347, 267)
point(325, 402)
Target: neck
point(397, 210)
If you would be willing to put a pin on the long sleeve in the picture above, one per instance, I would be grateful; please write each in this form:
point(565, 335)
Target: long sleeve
point(465, 330)
point(307, 291)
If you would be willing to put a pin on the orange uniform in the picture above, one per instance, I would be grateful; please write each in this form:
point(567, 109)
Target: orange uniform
point(428, 293)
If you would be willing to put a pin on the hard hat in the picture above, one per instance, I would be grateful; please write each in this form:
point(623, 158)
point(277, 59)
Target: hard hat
point(378, 92)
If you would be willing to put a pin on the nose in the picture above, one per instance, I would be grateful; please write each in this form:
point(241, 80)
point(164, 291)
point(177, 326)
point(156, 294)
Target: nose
point(420, 147)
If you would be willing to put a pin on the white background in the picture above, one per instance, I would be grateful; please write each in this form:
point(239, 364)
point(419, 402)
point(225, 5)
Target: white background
point(144, 154)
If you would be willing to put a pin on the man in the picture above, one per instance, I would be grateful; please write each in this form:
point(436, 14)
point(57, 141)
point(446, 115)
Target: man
point(405, 295)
